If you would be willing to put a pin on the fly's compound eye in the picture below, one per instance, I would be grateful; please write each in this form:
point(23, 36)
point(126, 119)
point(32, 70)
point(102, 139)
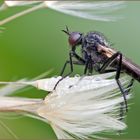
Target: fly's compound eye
point(75, 38)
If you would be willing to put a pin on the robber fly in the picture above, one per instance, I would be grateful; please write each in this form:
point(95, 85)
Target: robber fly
point(97, 55)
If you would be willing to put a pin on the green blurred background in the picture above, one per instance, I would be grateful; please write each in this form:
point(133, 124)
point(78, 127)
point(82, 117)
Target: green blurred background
point(33, 44)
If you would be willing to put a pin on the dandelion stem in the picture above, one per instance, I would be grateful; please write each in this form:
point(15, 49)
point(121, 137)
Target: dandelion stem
point(2, 22)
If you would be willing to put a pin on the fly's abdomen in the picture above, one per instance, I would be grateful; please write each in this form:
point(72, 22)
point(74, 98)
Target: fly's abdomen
point(131, 68)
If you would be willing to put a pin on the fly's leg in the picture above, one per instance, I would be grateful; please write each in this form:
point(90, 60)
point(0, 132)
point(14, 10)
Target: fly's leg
point(88, 66)
point(71, 62)
point(129, 86)
point(118, 71)
point(120, 86)
point(64, 67)
point(68, 62)
point(71, 70)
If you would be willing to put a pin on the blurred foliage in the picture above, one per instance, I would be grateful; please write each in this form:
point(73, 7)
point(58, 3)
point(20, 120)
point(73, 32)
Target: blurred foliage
point(33, 44)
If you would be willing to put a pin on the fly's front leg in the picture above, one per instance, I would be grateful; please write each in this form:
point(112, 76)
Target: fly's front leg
point(80, 61)
point(71, 69)
point(71, 62)
point(68, 62)
point(64, 67)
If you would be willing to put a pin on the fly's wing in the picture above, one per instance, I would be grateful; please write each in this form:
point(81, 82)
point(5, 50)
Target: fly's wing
point(100, 11)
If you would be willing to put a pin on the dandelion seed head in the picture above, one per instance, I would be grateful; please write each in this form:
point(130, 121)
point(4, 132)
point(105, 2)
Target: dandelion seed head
point(80, 107)
point(85, 109)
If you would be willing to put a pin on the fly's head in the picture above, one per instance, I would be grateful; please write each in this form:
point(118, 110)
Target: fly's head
point(74, 38)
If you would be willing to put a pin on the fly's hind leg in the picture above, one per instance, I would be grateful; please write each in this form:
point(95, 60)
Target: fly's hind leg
point(117, 56)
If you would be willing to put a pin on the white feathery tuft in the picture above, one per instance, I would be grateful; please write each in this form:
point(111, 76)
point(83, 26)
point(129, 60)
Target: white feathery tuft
point(84, 110)
point(12, 87)
point(9, 89)
point(21, 104)
point(82, 9)
point(87, 9)
point(80, 107)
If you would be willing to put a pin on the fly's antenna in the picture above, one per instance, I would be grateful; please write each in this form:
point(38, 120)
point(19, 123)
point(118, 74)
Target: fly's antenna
point(66, 31)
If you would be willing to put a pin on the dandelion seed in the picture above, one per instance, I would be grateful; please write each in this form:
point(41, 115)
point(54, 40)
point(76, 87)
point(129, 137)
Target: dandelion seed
point(82, 111)
point(83, 9)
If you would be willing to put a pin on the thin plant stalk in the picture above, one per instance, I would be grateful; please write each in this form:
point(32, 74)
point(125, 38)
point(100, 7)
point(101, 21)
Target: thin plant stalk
point(9, 130)
point(27, 11)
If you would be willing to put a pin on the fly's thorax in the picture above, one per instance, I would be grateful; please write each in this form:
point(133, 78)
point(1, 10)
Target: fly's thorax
point(94, 55)
point(90, 46)
point(95, 38)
